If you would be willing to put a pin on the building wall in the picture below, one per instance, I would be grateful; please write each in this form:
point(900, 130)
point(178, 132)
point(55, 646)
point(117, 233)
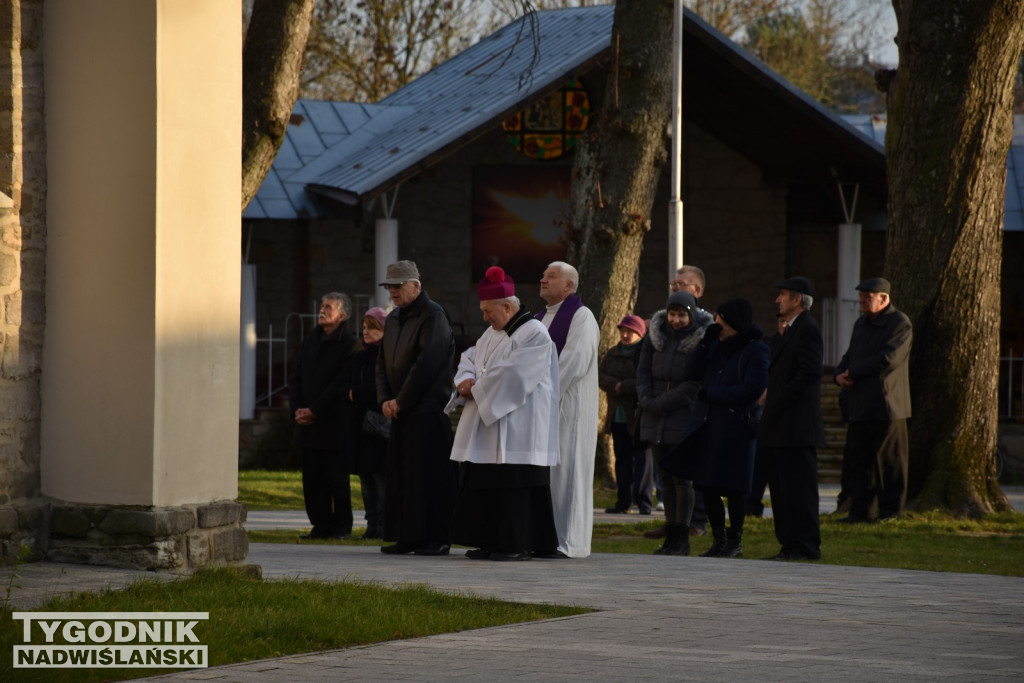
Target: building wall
point(22, 249)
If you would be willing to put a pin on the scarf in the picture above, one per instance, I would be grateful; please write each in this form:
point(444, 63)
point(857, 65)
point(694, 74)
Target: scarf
point(559, 329)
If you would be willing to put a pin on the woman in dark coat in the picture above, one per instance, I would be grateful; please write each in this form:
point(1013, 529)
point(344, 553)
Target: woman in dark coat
point(372, 450)
point(718, 451)
point(616, 375)
point(665, 400)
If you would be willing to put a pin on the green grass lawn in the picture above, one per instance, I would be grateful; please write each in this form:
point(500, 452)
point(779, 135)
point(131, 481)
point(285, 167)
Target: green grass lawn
point(924, 541)
point(281, 490)
point(254, 619)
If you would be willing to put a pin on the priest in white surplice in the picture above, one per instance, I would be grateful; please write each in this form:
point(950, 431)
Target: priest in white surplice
point(507, 437)
point(575, 333)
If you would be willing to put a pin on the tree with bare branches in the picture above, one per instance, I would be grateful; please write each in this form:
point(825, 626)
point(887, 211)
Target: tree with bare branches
point(364, 51)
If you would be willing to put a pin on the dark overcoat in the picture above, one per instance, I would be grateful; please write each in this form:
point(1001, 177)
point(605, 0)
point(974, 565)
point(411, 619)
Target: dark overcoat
point(792, 409)
point(718, 450)
point(878, 361)
point(415, 368)
point(316, 382)
point(665, 394)
point(415, 362)
point(371, 449)
point(619, 368)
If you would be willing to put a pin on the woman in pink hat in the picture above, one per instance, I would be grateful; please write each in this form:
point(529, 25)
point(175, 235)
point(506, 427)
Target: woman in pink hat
point(617, 378)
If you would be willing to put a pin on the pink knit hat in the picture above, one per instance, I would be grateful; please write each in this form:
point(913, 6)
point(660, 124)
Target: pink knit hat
point(495, 285)
point(377, 313)
point(635, 323)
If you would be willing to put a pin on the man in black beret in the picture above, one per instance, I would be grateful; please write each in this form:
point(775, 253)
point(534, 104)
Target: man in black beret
point(875, 398)
point(791, 426)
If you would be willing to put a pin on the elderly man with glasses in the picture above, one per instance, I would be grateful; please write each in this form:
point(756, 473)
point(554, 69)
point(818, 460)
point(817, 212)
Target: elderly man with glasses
point(414, 379)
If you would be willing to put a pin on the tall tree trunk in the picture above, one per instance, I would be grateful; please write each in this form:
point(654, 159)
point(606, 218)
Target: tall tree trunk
point(617, 166)
point(949, 130)
point(271, 62)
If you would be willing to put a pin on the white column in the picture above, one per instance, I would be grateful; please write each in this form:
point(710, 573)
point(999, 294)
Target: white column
point(140, 381)
point(385, 252)
point(847, 279)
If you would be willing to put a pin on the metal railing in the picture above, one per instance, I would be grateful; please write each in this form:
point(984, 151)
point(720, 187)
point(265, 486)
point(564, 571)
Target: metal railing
point(360, 304)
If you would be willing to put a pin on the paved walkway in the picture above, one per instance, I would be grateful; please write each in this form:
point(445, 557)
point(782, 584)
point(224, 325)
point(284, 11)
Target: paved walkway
point(676, 618)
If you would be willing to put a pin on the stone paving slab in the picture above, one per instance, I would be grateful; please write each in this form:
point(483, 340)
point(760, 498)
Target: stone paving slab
point(678, 618)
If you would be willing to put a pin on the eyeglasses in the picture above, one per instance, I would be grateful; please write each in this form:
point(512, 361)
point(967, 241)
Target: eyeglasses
point(398, 286)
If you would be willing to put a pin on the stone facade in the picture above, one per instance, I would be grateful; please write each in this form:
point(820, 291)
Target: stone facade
point(22, 272)
point(181, 538)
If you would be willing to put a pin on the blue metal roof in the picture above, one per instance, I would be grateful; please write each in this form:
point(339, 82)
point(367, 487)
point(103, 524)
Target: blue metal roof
point(351, 152)
point(316, 127)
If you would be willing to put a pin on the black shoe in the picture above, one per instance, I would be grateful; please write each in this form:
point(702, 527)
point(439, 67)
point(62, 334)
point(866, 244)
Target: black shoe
point(314, 535)
point(616, 511)
point(434, 549)
point(854, 519)
point(398, 548)
point(656, 533)
point(511, 557)
point(645, 511)
point(550, 555)
point(479, 554)
point(793, 557)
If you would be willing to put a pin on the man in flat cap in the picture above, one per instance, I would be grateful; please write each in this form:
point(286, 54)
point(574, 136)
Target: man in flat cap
point(507, 438)
point(875, 398)
point(791, 426)
point(414, 381)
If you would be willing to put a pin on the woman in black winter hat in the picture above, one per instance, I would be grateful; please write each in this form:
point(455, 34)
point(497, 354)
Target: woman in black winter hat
point(717, 453)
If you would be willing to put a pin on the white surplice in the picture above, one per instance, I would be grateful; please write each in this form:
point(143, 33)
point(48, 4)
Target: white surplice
point(513, 417)
point(572, 481)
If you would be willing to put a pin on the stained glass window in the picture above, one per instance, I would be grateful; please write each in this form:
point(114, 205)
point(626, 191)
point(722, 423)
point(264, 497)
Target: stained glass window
point(550, 127)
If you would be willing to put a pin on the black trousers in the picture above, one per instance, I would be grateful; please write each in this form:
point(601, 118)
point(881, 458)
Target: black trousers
point(326, 492)
point(875, 464)
point(793, 478)
point(634, 476)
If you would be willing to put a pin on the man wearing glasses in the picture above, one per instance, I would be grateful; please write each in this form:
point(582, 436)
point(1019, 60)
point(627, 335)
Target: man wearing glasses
point(414, 380)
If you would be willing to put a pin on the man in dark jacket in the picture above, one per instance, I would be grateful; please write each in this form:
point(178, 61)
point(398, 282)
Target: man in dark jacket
point(875, 398)
point(414, 383)
point(323, 419)
point(791, 427)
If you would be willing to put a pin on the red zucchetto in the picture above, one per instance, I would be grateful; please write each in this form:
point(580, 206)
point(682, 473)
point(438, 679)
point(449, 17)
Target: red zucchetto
point(495, 285)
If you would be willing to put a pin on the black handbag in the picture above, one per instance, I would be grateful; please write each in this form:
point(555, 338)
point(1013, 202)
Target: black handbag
point(376, 425)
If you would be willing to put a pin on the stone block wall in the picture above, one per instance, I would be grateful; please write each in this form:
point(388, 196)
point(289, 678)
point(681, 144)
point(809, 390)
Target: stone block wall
point(179, 539)
point(22, 270)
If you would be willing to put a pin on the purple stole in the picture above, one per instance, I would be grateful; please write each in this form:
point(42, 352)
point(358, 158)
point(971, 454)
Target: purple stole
point(559, 329)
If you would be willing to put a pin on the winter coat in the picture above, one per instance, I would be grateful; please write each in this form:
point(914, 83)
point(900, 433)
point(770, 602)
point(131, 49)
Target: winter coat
point(415, 362)
point(316, 382)
point(664, 394)
point(372, 450)
point(617, 367)
point(718, 451)
point(792, 409)
point(878, 360)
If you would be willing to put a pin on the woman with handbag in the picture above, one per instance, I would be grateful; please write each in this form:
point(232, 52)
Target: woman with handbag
point(718, 451)
point(374, 427)
point(665, 401)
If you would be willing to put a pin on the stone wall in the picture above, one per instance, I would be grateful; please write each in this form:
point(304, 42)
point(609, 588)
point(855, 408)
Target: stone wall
point(22, 270)
point(181, 538)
